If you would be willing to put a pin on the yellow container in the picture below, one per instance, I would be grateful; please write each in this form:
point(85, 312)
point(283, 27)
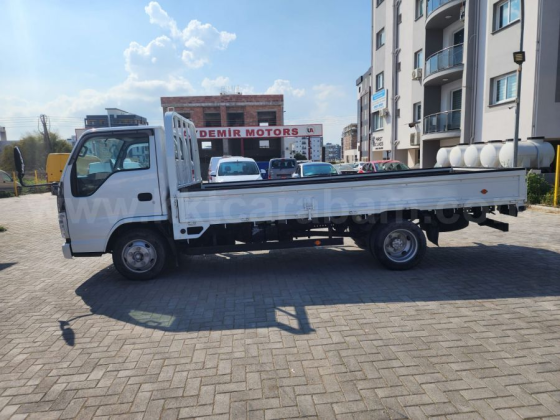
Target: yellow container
point(55, 165)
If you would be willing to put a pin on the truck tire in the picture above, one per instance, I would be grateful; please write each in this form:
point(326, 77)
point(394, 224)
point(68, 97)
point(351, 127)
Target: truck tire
point(140, 254)
point(398, 245)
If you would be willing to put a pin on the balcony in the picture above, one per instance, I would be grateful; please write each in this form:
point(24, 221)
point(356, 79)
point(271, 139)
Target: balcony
point(442, 13)
point(444, 66)
point(442, 125)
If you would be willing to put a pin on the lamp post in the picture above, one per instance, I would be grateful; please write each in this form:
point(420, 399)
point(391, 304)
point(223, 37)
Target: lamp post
point(519, 59)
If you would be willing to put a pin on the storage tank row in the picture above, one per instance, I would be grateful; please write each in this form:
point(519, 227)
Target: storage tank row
point(533, 153)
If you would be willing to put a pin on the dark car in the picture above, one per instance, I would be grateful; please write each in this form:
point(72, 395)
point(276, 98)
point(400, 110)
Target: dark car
point(281, 168)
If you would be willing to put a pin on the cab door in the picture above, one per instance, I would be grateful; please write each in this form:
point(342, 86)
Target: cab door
point(112, 177)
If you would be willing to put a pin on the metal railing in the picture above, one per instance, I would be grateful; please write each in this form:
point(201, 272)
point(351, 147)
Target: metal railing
point(442, 122)
point(444, 59)
point(433, 5)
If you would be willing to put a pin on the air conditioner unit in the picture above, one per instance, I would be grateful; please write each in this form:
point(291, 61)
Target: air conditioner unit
point(383, 112)
point(417, 74)
point(414, 139)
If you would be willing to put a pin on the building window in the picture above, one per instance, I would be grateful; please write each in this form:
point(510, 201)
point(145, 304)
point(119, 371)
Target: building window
point(380, 38)
point(212, 119)
point(504, 88)
point(417, 111)
point(187, 115)
point(379, 2)
point(377, 121)
point(418, 59)
point(419, 9)
point(505, 13)
point(264, 144)
point(235, 119)
point(266, 118)
point(379, 81)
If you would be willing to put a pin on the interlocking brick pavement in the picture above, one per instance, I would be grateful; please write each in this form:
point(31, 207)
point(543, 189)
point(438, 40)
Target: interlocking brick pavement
point(474, 332)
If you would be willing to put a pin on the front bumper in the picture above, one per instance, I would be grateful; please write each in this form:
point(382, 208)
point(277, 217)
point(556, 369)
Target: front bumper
point(67, 251)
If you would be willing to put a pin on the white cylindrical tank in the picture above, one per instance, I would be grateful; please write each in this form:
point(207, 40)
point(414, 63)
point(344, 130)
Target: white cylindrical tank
point(489, 155)
point(456, 157)
point(442, 157)
point(531, 154)
point(472, 155)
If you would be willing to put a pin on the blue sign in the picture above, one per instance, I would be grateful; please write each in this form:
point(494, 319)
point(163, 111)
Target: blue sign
point(379, 100)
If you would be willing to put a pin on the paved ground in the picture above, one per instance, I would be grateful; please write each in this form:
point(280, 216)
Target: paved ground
point(474, 332)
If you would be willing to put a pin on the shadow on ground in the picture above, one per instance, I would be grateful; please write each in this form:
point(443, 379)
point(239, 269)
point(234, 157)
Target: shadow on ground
point(242, 291)
point(3, 266)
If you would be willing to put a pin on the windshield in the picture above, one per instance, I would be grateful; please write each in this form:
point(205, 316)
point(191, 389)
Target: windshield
point(238, 168)
point(391, 166)
point(318, 169)
point(283, 164)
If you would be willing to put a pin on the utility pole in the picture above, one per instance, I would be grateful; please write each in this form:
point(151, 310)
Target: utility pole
point(45, 132)
point(518, 58)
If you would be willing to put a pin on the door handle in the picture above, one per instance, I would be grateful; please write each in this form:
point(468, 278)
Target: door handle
point(145, 197)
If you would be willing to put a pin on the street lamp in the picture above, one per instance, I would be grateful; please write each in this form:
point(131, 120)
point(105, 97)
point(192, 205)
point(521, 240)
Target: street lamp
point(519, 59)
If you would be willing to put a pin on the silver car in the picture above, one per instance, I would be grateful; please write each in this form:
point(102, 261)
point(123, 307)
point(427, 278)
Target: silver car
point(7, 183)
point(281, 168)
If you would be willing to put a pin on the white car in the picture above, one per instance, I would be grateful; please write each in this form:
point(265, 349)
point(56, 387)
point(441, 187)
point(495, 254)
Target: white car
point(234, 169)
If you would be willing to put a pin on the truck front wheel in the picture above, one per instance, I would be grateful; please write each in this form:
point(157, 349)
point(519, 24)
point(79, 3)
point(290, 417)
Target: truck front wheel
point(139, 254)
point(398, 245)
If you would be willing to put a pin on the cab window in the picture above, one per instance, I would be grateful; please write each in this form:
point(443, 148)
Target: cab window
point(101, 156)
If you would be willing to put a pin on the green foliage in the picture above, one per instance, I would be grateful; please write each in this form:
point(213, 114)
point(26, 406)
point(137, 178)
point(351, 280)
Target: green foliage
point(299, 156)
point(537, 188)
point(33, 150)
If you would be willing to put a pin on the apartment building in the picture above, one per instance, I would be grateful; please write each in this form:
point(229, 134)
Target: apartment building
point(310, 147)
point(332, 152)
point(349, 143)
point(443, 74)
point(363, 87)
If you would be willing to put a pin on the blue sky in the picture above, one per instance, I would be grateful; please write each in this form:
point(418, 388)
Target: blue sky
point(68, 59)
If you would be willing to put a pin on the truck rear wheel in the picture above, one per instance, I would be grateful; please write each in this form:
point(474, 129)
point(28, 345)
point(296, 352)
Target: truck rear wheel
point(398, 245)
point(140, 254)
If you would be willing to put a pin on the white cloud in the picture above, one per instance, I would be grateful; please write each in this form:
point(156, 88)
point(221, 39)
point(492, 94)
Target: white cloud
point(214, 86)
point(197, 40)
point(281, 86)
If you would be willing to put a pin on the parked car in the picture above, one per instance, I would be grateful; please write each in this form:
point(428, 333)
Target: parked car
point(281, 168)
point(213, 165)
point(7, 183)
point(233, 169)
point(310, 169)
point(383, 166)
point(346, 169)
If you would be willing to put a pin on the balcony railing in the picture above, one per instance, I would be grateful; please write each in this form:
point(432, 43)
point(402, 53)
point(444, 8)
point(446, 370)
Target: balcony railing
point(433, 5)
point(444, 59)
point(442, 122)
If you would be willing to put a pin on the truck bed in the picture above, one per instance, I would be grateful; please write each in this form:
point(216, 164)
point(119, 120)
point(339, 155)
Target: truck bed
point(307, 198)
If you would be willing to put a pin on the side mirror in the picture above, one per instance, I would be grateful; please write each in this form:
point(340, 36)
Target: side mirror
point(263, 171)
point(295, 175)
point(20, 166)
point(212, 173)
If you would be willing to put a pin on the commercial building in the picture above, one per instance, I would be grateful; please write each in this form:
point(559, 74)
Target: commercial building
point(332, 152)
point(115, 118)
point(443, 74)
point(310, 147)
point(363, 87)
point(239, 125)
point(349, 143)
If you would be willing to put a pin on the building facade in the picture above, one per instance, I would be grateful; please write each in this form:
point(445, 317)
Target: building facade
point(233, 110)
point(443, 74)
point(333, 152)
point(115, 118)
point(349, 143)
point(310, 147)
point(363, 87)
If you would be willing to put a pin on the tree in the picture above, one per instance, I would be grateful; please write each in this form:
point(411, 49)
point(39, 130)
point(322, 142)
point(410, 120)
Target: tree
point(32, 148)
point(299, 156)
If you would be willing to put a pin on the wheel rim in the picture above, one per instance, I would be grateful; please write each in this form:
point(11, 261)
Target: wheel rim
point(139, 256)
point(400, 246)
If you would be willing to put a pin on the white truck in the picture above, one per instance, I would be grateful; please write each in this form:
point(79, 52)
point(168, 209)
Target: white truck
point(137, 193)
